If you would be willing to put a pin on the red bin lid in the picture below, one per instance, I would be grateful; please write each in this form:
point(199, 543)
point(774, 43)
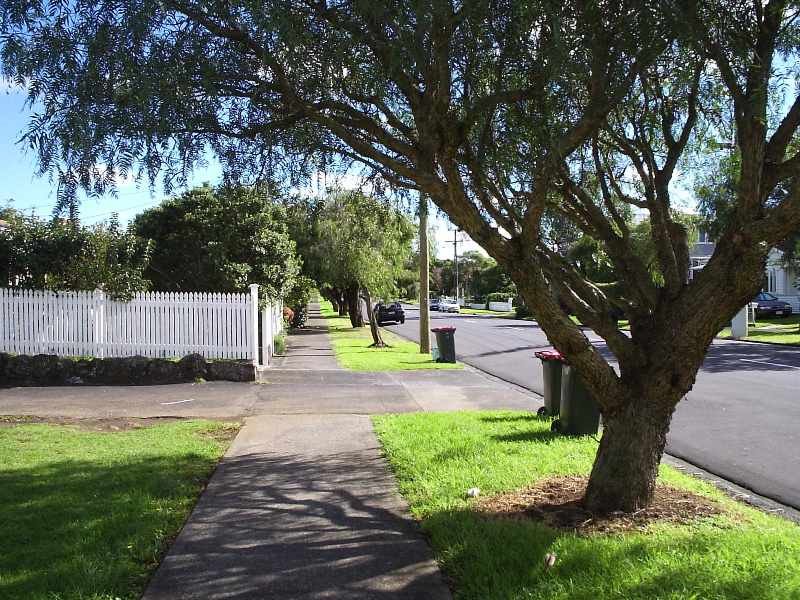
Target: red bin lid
point(550, 355)
point(443, 329)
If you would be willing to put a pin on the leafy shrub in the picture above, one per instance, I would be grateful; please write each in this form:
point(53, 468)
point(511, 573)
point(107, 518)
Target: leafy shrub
point(299, 319)
point(522, 311)
point(279, 344)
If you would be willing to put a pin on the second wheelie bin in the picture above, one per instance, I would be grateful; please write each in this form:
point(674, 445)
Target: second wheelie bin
point(579, 414)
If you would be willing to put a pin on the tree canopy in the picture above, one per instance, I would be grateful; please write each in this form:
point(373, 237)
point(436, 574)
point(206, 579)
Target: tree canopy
point(512, 116)
point(219, 240)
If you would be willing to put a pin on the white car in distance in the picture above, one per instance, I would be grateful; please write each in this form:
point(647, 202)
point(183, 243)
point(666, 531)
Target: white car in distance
point(449, 305)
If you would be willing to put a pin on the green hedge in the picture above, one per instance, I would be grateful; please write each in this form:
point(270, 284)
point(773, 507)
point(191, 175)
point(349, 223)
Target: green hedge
point(498, 297)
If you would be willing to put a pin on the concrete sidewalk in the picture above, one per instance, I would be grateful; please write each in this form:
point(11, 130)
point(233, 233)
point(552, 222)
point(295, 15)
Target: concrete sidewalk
point(303, 505)
point(310, 347)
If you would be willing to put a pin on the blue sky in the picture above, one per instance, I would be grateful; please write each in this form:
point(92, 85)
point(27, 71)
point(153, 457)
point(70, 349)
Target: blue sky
point(38, 194)
point(29, 192)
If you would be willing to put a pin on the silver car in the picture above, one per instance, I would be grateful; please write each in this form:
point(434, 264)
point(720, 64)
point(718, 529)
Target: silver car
point(450, 306)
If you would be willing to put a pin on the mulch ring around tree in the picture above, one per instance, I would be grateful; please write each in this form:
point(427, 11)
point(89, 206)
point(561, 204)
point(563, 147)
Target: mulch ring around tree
point(558, 503)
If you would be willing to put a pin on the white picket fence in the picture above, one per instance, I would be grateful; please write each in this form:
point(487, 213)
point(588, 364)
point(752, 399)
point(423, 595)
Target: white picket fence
point(502, 306)
point(154, 324)
point(496, 306)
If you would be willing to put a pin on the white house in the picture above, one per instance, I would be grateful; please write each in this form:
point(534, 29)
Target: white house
point(782, 280)
point(779, 279)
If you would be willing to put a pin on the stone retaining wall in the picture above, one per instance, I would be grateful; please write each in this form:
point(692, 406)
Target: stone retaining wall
point(46, 369)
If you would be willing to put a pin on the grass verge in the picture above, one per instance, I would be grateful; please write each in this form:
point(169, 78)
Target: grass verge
point(741, 553)
point(483, 311)
point(774, 331)
point(352, 350)
point(87, 514)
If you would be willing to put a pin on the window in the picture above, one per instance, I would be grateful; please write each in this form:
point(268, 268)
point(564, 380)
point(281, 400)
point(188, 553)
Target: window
point(770, 281)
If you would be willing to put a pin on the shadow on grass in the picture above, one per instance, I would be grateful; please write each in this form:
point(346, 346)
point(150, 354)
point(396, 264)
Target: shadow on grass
point(492, 558)
point(84, 529)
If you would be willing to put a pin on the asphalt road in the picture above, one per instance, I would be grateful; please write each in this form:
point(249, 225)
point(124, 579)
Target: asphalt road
point(741, 421)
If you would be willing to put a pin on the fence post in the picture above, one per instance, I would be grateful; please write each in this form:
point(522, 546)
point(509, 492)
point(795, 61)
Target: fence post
point(266, 334)
point(739, 324)
point(99, 332)
point(254, 325)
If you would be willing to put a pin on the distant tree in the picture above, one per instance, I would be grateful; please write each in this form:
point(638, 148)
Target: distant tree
point(59, 254)
point(220, 240)
point(471, 264)
point(493, 278)
point(362, 246)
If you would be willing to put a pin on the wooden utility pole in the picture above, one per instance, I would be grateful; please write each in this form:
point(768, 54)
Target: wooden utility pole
point(455, 243)
point(424, 273)
point(455, 259)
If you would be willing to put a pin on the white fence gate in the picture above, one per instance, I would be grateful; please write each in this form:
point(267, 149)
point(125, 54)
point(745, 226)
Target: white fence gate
point(155, 324)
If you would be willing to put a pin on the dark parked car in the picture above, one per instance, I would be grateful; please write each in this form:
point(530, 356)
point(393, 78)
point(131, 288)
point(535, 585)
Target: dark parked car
point(769, 306)
point(434, 304)
point(388, 313)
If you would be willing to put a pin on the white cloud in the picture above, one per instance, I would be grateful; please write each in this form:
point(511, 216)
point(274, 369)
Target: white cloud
point(443, 233)
point(121, 182)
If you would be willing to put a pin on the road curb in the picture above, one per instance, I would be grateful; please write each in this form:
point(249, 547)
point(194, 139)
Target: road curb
point(734, 490)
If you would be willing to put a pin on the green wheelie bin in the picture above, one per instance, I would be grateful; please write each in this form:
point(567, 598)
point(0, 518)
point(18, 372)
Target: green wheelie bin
point(579, 414)
point(552, 363)
point(446, 342)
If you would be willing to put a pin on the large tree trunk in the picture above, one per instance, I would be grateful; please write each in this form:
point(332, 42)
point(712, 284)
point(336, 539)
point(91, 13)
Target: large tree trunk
point(625, 468)
point(338, 301)
point(354, 306)
point(377, 339)
point(334, 297)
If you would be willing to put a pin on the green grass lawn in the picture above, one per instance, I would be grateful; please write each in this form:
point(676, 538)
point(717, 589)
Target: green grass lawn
point(352, 350)
point(89, 514)
point(775, 331)
point(743, 554)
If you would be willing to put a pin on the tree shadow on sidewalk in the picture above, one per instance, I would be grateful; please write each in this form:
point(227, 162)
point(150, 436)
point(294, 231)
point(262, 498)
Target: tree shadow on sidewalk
point(290, 526)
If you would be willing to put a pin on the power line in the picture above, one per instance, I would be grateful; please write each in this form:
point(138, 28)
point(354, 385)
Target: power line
point(118, 211)
point(455, 243)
